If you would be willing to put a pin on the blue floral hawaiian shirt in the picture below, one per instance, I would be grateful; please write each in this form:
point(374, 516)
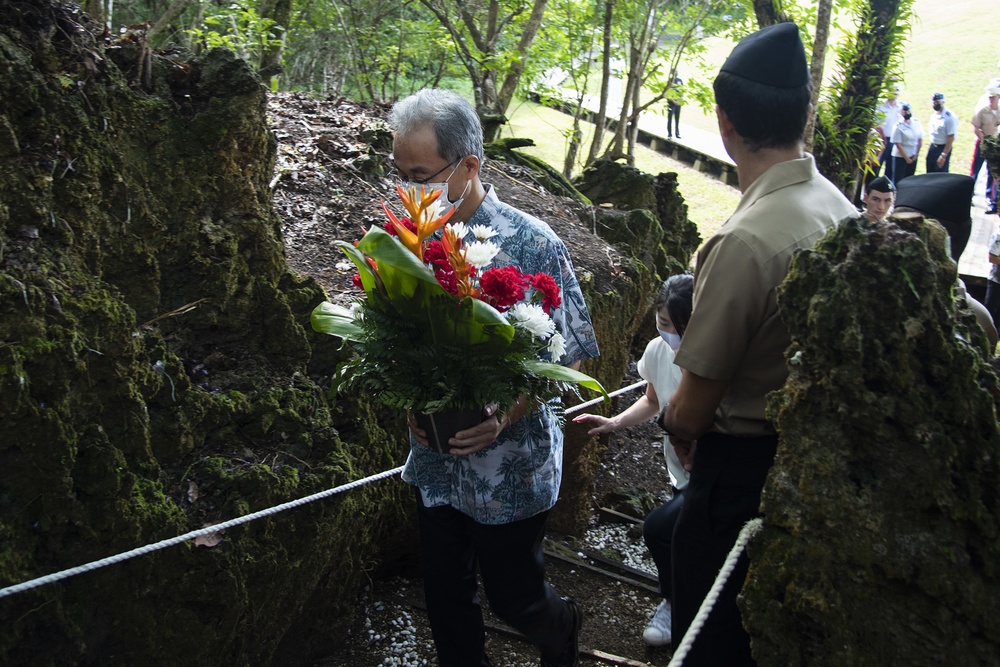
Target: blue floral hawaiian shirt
point(518, 475)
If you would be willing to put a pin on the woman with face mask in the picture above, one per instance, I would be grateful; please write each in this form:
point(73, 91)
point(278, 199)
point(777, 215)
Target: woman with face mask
point(673, 312)
point(906, 139)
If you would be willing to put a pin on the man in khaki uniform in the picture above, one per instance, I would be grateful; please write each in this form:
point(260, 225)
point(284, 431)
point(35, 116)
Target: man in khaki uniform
point(986, 123)
point(732, 354)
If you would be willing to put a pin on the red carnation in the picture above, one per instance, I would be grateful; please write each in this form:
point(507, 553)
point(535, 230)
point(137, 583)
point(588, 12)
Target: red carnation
point(434, 253)
point(504, 286)
point(447, 280)
point(409, 224)
point(544, 283)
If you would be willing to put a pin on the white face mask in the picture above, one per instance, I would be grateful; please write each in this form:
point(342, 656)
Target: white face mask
point(672, 339)
point(445, 200)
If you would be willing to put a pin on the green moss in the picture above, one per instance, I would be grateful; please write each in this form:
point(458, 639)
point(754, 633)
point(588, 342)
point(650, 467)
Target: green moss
point(882, 515)
point(152, 368)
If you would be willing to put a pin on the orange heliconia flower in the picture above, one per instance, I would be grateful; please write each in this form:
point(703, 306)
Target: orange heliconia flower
point(423, 212)
point(456, 257)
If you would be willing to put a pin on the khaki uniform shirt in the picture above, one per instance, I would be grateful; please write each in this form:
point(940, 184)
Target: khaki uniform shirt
point(987, 120)
point(735, 332)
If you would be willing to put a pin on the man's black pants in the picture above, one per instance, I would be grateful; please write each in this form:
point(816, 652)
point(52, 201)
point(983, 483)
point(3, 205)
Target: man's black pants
point(722, 495)
point(901, 170)
point(932, 155)
point(511, 564)
point(658, 534)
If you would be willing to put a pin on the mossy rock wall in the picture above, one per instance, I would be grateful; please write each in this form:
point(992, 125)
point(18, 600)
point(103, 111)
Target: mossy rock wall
point(665, 239)
point(990, 146)
point(881, 541)
point(153, 368)
point(618, 302)
point(623, 186)
point(645, 246)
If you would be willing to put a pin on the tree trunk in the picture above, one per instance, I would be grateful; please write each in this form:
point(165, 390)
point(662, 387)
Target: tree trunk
point(840, 142)
point(513, 75)
point(602, 111)
point(95, 9)
point(633, 122)
point(279, 11)
point(768, 12)
point(575, 138)
point(173, 11)
point(816, 66)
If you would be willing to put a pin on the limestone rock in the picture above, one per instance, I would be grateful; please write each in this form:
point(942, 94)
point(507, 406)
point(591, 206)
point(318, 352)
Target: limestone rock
point(153, 367)
point(625, 187)
point(881, 542)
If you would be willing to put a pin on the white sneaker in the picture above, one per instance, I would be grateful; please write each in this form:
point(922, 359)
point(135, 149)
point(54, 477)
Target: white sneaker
point(657, 633)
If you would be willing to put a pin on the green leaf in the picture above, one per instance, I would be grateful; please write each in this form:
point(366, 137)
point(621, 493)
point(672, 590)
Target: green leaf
point(414, 292)
point(565, 374)
point(336, 320)
point(369, 279)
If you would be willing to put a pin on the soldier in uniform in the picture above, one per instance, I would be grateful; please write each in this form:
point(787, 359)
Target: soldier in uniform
point(733, 352)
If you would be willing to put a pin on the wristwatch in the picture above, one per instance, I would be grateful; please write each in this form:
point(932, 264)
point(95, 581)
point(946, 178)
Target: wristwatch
point(659, 420)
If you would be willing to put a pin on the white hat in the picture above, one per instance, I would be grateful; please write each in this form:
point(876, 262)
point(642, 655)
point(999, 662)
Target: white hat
point(898, 87)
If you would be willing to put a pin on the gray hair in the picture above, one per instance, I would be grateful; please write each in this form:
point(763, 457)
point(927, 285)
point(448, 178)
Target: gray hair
point(455, 122)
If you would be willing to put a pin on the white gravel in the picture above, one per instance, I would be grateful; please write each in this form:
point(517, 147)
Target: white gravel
point(614, 538)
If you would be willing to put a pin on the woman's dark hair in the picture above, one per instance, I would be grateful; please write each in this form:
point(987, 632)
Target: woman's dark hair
point(677, 295)
point(764, 116)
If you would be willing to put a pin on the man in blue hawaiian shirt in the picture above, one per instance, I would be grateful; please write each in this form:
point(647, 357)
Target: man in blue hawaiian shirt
point(486, 502)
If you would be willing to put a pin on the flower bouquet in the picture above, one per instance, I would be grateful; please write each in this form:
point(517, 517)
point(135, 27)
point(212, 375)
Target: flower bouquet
point(437, 330)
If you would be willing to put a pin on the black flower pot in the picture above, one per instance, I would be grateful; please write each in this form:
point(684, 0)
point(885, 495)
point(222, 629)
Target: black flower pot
point(441, 426)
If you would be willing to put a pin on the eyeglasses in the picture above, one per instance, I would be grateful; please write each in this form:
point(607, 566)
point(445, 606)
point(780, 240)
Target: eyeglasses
point(394, 172)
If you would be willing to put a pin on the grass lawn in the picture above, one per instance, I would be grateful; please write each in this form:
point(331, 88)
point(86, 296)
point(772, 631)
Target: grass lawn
point(949, 51)
point(933, 62)
point(710, 202)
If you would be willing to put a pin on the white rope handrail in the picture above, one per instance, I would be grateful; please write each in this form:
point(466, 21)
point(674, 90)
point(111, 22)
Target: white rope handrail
point(93, 565)
point(215, 528)
point(750, 529)
point(595, 401)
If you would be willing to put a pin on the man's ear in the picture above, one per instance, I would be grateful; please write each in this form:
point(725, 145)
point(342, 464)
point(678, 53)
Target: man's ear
point(472, 164)
point(726, 128)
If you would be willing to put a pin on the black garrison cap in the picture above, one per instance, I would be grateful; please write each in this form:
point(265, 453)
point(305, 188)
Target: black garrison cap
point(945, 197)
point(773, 56)
point(880, 183)
point(939, 195)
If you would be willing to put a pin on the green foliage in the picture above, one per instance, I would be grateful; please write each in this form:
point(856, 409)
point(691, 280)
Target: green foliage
point(428, 377)
point(866, 67)
point(566, 44)
point(239, 29)
point(420, 348)
point(376, 50)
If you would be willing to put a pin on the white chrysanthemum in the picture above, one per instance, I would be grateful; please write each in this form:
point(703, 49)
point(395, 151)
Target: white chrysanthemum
point(481, 253)
point(357, 311)
point(530, 316)
point(483, 232)
point(459, 229)
point(557, 347)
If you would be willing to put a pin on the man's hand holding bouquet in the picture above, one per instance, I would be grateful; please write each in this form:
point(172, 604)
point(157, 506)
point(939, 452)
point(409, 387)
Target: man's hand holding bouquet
point(439, 330)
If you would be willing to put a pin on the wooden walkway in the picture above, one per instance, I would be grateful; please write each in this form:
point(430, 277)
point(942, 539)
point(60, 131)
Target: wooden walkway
point(974, 264)
point(700, 149)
